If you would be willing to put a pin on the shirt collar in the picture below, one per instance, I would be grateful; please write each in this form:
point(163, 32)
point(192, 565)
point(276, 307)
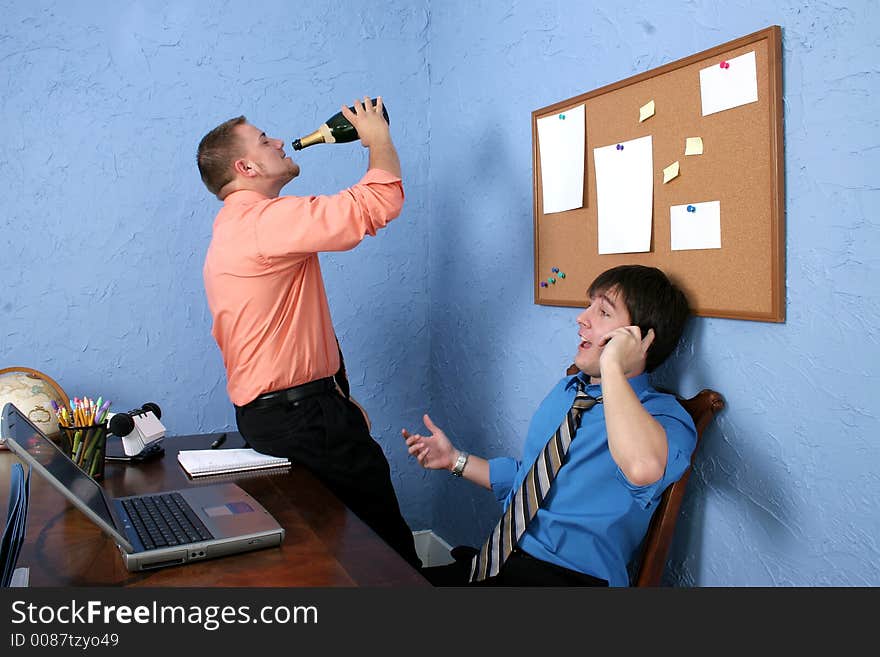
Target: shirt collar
point(244, 196)
point(638, 383)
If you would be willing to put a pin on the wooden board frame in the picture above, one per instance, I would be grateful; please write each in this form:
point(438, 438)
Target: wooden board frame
point(742, 167)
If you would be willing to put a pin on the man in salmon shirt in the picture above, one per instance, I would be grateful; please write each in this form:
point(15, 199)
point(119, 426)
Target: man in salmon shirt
point(271, 316)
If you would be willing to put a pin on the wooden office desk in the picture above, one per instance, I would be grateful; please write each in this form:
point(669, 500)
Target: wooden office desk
point(325, 544)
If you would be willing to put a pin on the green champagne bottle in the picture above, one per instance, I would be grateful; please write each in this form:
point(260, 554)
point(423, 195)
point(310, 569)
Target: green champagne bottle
point(335, 130)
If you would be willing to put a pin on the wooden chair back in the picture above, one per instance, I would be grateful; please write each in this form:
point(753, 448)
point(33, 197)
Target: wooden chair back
point(652, 561)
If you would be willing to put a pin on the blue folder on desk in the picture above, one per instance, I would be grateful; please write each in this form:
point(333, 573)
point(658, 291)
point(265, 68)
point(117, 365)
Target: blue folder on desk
point(152, 531)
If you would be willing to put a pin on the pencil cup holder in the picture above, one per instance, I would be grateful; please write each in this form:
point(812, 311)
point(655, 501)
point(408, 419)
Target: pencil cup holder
point(86, 447)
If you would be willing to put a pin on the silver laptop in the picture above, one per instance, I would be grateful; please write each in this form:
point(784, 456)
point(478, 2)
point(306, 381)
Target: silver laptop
point(155, 530)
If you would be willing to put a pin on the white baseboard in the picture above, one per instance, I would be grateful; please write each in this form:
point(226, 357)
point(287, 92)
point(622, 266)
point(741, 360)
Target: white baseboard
point(432, 550)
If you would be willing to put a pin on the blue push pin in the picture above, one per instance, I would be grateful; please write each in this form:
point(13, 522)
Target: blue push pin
point(691, 208)
point(620, 147)
point(555, 270)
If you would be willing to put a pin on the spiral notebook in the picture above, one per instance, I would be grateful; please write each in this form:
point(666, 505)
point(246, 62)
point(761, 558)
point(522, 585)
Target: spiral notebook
point(203, 462)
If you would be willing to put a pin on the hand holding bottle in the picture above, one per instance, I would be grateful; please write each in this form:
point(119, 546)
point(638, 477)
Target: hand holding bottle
point(373, 130)
point(369, 121)
point(335, 130)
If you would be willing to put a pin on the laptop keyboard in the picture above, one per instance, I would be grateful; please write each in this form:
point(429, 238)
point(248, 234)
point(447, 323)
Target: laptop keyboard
point(166, 519)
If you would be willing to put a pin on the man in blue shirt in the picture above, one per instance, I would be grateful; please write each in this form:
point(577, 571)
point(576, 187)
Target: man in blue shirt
point(625, 452)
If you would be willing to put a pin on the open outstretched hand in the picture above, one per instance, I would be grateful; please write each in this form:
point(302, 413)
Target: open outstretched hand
point(434, 451)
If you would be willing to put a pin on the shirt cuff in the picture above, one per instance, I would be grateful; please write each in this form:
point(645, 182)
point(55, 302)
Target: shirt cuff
point(378, 176)
point(642, 495)
point(502, 471)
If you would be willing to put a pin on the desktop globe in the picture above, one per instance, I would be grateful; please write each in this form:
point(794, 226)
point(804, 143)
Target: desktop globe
point(32, 392)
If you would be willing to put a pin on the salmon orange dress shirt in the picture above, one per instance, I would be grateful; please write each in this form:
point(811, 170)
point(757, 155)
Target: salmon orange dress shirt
point(263, 279)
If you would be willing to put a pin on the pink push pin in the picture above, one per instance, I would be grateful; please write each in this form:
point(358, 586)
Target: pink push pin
point(724, 65)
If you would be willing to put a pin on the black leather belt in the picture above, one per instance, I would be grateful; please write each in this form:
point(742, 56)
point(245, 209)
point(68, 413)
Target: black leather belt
point(294, 394)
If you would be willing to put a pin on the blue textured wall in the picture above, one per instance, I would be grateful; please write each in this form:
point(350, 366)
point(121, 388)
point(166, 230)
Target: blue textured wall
point(105, 223)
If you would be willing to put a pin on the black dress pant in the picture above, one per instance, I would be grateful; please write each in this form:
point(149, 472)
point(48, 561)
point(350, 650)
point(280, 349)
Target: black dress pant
point(520, 569)
point(327, 434)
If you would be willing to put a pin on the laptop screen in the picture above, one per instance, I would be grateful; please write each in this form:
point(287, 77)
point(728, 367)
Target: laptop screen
point(45, 453)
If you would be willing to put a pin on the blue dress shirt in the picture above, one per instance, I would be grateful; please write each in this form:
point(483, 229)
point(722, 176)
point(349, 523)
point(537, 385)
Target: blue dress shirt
point(593, 519)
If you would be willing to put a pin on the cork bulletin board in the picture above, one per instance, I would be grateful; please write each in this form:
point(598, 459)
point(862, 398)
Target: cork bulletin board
point(740, 171)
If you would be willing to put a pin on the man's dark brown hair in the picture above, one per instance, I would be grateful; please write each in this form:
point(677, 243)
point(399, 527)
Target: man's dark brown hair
point(217, 150)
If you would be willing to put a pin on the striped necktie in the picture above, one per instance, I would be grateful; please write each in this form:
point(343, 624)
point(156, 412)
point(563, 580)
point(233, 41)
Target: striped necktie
point(531, 493)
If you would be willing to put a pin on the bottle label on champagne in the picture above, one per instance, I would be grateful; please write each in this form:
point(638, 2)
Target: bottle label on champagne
point(327, 134)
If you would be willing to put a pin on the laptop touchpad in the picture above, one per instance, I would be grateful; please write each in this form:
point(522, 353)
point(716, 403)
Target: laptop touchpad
point(230, 509)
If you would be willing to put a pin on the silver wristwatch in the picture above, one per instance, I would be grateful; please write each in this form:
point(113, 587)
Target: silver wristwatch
point(460, 463)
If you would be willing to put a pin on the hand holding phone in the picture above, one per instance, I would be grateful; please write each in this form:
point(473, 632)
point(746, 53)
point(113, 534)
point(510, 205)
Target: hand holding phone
point(626, 348)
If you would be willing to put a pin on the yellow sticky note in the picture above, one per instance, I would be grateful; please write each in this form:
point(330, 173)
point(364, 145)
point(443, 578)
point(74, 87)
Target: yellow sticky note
point(646, 111)
point(693, 146)
point(670, 172)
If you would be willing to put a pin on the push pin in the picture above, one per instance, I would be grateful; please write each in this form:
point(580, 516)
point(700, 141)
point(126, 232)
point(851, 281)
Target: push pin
point(552, 280)
point(555, 270)
point(562, 117)
point(691, 208)
point(724, 65)
point(620, 147)
point(562, 274)
point(543, 283)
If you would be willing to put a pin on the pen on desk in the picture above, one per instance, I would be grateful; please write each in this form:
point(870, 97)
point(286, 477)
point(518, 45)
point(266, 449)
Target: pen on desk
point(219, 441)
